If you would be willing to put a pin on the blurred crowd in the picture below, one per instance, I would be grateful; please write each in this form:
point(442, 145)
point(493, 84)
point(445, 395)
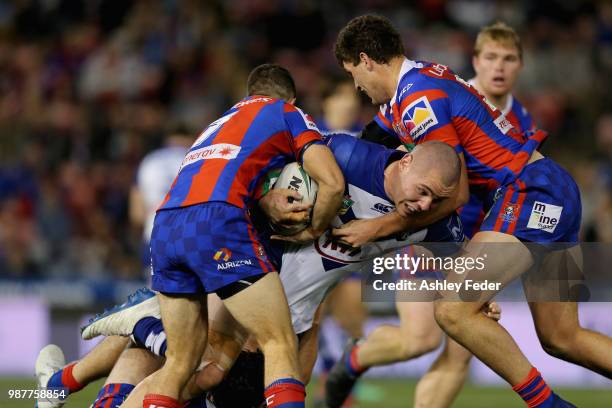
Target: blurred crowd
point(88, 87)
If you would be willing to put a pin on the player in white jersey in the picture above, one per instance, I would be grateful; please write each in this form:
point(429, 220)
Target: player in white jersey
point(155, 174)
point(372, 190)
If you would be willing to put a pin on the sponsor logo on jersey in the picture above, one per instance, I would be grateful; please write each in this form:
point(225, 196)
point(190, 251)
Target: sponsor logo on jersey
point(346, 204)
point(234, 264)
point(310, 123)
point(224, 151)
point(382, 208)
point(224, 253)
point(250, 101)
point(544, 216)
point(418, 117)
point(510, 213)
point(503, 124)
point(438, 69)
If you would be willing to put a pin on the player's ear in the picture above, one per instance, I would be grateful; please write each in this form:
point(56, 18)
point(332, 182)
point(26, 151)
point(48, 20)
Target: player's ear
point(406, 161)
point(363, 57)
point(474, 60)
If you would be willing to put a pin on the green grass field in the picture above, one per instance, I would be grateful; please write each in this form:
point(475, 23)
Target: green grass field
point(370, 394)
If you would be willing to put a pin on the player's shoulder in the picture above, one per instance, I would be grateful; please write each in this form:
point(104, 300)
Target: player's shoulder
point(518, 108)
point(427, 79)
point(340, 143)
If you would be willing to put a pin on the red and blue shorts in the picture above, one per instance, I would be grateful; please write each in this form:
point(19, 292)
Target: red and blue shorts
point(542, 205)
point(203, 248)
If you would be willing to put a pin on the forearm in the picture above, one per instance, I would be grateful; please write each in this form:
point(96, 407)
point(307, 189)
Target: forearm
point(320, 164)
point(329, 199)
point(393, 223)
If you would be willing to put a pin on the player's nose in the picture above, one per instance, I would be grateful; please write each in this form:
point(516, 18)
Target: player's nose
point(424, 203)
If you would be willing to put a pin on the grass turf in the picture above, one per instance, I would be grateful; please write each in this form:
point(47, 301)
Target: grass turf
point(387, 393)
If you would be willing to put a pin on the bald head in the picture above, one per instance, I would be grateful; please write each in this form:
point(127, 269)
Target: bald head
point(439, 159)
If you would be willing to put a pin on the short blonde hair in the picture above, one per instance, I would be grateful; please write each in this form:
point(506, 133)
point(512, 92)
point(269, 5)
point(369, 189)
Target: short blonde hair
point(501, 33)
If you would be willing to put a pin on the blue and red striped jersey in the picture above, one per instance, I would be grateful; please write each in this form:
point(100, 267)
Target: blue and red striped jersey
point(432, 103)
point(234, 152)
point(518, 115)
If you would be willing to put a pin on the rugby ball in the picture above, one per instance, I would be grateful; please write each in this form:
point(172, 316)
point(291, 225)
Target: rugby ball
point(294, 177)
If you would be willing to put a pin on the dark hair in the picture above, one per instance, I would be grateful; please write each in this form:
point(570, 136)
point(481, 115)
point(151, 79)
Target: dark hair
point(271, 80)
point(372, 34)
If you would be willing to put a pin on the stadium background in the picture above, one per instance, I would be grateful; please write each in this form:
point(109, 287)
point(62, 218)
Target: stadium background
point(88, 87)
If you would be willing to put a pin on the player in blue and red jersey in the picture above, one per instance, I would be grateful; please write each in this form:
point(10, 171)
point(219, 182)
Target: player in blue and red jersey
point(497, 61)
point(203, 240)
point(528, 198)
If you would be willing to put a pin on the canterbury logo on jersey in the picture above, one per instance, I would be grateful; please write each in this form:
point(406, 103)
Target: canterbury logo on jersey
point(225, 151)
point(418, 117)
point(382, 208)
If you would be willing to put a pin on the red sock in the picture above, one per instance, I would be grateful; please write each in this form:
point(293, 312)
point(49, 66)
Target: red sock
point(353, 365)
point(286, 392)
point(533, 389)
point(160, 401)
point(68, 379)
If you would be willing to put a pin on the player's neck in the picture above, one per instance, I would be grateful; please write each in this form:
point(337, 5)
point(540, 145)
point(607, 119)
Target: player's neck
point(392, 77)
point(498, 100)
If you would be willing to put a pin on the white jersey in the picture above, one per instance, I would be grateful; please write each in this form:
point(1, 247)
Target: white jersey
point(155, 175)
point(308, 272)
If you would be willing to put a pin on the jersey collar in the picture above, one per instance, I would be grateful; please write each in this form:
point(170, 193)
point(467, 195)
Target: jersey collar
point(407, 65)
point(508, 107)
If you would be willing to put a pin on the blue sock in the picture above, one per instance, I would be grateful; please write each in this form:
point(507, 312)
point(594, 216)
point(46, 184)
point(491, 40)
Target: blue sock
point(149, 332)
point(112, 395)
point(56, 380)
point(63, 379)
point(535, 392)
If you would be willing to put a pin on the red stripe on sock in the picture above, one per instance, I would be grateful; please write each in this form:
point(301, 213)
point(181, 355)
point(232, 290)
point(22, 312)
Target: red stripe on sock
point(111, 395)
point(284, 393)
point(536, 390)
point(353, 361)
point(533, 374)
point(68, 379)
point(540, 397)
point(99, 401)
point(160, 401)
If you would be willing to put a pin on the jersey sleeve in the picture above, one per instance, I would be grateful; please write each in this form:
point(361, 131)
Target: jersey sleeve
point(529, 123)
point(383, 121)
point(302, 129)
